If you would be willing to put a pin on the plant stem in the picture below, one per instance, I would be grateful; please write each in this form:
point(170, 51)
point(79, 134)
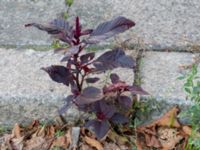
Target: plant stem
point(82, 79)
point(77, 73)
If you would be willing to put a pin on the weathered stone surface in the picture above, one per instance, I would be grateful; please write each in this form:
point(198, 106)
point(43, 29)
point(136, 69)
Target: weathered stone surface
point(160, 70)
point(14, 14)
point(160, 23)
point(154, 109)
point(26, 92)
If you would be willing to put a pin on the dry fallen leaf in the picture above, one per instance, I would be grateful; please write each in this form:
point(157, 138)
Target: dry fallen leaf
point(50, 131)
point(34, 124)
point(6, 145)
point(94, 143)
point(187, 130)
point(157, 139)
point(36, 143)
point(153, 142)
point(138, 144)
point(62, 141)
point(17, 143)
point(169, 119)
point(85, 147)
point(41, 132)
point(169, 137)
point(16, 132)
point(111, 146)
point(118, 139)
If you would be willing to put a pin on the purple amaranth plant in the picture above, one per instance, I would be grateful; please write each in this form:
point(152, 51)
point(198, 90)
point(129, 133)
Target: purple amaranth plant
point(79, 64)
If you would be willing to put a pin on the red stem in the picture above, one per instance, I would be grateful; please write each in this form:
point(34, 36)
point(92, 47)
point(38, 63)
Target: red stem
point(79, 82)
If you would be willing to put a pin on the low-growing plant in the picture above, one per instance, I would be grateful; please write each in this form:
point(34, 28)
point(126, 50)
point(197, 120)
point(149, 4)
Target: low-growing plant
point(59, 133)
point(192, 84)
point(65, 15)
point(80, 64)
point(4, 129)
point(192, 89)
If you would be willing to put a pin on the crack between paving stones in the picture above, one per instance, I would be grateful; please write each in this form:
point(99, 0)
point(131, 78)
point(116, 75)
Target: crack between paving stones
point(137, 73)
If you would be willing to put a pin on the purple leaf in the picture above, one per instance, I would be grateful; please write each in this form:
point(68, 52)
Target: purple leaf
point(74, 89)
point(100, 128)
point(115, 87)
point(59, 50)
point(137, 90)
point(114, 78)
point(113, 59)
point(49, 29)
point(125, 101)
point(89, 95)
point(70, 52)
point(68, 101)
point(92, 80)
point(70, 62)
point(122, 86)
point(87, 57)
point(86, 32)
point(119, 118)
point(109, 29)
point(61, 25)
point(59, 28)
point(59, 74)
point(85, 108)
point(104, 110)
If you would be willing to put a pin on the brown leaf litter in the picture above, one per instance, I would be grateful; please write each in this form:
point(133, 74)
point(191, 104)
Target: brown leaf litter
point(166, 133)
point(38, 137)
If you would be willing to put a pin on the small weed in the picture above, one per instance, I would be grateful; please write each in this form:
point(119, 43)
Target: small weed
point(192, 89)
point(69, 2)
point(192, 84)
point(142, 110)
point(59, 133)
point(56, 44)
point(4, 129)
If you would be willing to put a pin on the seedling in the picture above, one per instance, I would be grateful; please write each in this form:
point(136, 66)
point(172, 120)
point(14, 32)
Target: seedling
point(59, 133)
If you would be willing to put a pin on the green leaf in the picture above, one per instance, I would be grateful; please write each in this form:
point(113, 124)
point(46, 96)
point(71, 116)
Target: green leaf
point(187, 84)
point(196, 89)
point(65, 15)
point(187, 90)
point(69, 2)
point(59, 133)
point(56, 44)
point(194, 69)
point(181, 78)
